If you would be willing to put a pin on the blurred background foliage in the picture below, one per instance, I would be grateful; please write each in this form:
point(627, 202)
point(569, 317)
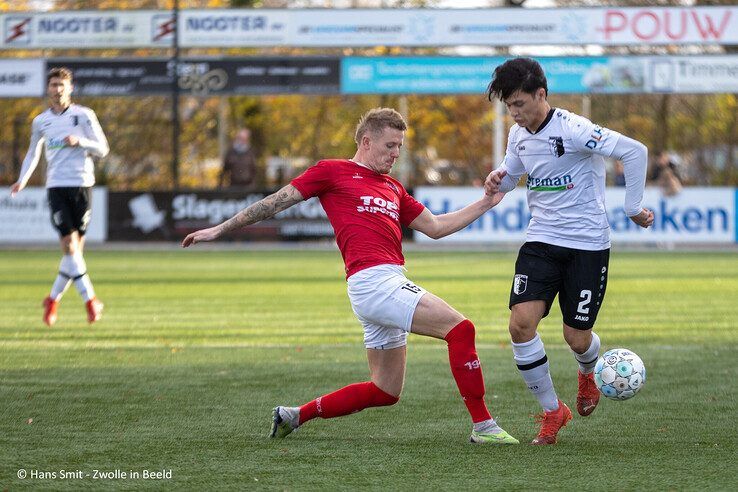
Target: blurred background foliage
point(449, 141)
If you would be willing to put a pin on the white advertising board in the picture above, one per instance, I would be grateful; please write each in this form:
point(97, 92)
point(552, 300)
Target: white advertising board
point(25, 218)
point(22, 77)
point(87, 29)
point(696, 215)
point(234, 27)
point(703, 25)
point(694, 74)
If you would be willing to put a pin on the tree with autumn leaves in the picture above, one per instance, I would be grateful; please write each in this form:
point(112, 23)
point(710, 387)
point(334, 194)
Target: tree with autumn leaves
point(449, 141)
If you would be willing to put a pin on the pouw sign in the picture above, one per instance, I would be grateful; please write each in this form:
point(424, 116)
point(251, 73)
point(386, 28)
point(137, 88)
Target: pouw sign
point(26, 218)
point(696, 215)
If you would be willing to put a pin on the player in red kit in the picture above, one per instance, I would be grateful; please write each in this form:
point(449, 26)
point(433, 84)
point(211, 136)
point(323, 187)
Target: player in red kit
point(367, 208)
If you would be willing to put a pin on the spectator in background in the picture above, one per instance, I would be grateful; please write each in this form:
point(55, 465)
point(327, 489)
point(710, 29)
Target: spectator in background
point(239, 163)
point(665, 174)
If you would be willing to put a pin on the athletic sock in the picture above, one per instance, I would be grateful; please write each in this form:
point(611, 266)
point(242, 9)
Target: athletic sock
point(82, 281)
point(467, 370)
point(532, 363)
point(347, 400)
point(487, 427)
point(588, 359)
point(64, 278)
point(60, 286)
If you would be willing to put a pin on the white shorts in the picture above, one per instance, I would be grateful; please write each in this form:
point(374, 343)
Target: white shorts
point(384, 300)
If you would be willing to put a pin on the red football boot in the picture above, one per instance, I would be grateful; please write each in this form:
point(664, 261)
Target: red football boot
point(551, 423)
point(50, 306)
point(588, 395)
point(94, 310)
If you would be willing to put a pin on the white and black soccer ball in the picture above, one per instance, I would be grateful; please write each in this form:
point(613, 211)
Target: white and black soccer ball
point(619, 374)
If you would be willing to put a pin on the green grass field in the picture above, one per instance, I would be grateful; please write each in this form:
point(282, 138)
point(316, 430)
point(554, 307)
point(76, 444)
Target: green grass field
point(197, 346)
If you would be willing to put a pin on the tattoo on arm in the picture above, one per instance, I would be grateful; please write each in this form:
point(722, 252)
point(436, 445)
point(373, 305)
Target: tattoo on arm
point(263, 209)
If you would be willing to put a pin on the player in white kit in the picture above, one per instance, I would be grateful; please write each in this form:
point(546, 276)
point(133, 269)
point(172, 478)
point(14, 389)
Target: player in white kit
point(366, 208)
point(70, 134)
point(567, 245)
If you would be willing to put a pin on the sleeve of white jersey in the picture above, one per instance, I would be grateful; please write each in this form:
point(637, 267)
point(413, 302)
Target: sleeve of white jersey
point(512, 164)
point(94, 140)
point(588, 137)
point(634, 156)
point(33, 155)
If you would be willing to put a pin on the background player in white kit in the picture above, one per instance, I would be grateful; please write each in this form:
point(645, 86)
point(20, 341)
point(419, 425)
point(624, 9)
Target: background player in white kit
point(567, 246)
point(366, 208)
point(70, 134)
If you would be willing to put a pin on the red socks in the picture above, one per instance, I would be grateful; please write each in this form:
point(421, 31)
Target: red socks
point(465, 367)
point(349, 399)
point(467, 371)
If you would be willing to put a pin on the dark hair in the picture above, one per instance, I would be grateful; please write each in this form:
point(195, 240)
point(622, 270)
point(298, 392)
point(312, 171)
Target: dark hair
point(376, 120)
point(518, 74)
point(59, 73)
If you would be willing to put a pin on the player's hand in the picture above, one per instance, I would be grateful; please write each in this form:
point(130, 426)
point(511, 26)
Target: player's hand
point(643, 219)
point(72, 140)
point(493, 181)
point(15, 189)
point(494, 199)
point(200, 236)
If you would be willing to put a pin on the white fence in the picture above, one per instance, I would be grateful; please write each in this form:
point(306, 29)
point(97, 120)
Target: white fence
point(26, 218)
point(696, 215)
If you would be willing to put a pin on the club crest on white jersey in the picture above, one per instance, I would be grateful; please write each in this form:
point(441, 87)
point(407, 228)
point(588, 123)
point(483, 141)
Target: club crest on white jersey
point(566, 179)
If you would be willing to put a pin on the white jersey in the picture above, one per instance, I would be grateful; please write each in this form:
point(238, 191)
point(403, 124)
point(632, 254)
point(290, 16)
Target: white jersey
point(66, 166)
point(566, 179)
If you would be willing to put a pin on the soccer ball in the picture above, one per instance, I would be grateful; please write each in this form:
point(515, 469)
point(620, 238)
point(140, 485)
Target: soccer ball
point(619, 374)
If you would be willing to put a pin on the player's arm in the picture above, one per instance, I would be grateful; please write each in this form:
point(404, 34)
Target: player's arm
point(263, 209)
point(588, 137)
point(438, 226)
point(94, 140)
point(31, 161)
point(635, 163)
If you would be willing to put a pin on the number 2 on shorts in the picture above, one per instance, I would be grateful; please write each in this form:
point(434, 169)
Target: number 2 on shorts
point(586, 296)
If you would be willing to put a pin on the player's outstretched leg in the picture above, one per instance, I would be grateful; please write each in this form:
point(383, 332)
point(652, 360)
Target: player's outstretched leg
point(588, 395)
point(551, 423)
point(467, 371)
point(345, 401)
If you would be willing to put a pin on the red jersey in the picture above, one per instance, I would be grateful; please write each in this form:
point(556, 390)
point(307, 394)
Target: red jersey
point(365, 209)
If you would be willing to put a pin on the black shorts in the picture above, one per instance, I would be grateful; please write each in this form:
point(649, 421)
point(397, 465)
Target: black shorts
point(578, 276)
point(71, 209)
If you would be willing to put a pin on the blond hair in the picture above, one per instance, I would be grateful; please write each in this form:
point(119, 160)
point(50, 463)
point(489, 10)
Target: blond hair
point(376, 120)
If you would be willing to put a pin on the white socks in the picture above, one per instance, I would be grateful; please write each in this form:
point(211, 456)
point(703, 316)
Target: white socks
point(588, 359)
point(487, 427)
point(532, 363)
point(72, 268)
point(60, 286)
point(81, 280)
